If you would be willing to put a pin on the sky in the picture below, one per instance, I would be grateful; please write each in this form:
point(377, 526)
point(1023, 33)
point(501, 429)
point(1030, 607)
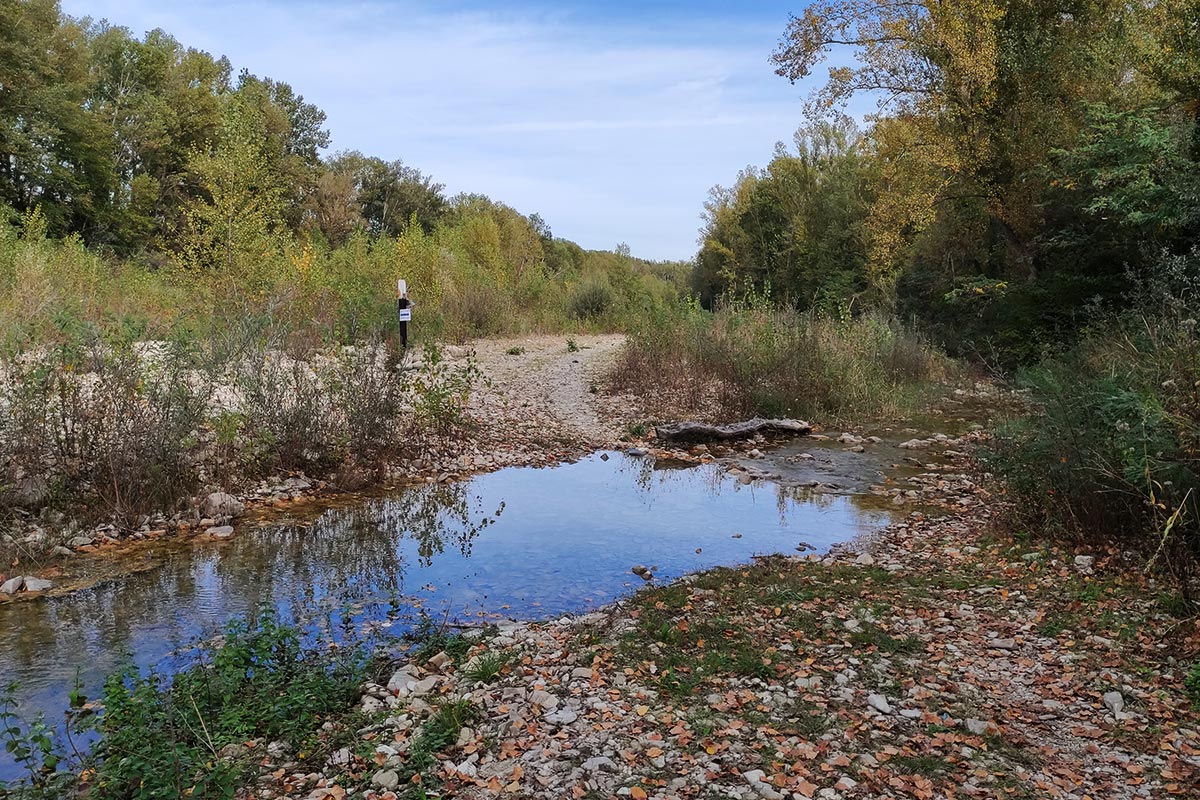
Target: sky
point(610, 119)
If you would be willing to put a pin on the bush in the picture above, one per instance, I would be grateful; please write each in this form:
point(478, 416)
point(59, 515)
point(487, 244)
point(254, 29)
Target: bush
point(591, 300)
point(1112, 454)
point(104, 416)
point(750, 358)
point(160, 739)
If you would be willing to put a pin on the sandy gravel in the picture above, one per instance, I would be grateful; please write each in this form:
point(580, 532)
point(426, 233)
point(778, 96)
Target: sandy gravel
point(538, 380)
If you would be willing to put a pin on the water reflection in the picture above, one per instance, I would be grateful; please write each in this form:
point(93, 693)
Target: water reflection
point(518, 543)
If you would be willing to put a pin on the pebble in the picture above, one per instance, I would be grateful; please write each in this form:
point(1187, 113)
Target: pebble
point(386, 779)
point(879, 703)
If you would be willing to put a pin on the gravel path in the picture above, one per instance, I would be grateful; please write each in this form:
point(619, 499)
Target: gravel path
point(540, 377)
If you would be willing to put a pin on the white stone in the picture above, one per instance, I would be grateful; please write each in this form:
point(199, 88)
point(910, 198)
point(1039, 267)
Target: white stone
point(386, 779)
point(1114, 702)
point(563, 716)
point(879, 703)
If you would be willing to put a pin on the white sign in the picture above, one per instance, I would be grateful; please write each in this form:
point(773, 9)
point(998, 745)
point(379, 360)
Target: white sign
point(406, 315)
point(401, 287)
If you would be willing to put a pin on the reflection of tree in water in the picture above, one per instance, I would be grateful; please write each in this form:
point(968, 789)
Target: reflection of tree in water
point(433, 516)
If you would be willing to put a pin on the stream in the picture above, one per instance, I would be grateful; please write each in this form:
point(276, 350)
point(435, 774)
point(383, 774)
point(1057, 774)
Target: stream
point(519, 543)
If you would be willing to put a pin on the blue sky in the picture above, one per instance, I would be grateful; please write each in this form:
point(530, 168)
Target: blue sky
point(611, 120)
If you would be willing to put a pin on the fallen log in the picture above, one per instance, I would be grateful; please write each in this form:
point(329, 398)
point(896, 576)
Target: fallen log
point(703, 432)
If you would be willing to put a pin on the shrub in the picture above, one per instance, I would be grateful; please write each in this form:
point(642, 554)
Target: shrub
point(104, 417)
point(1112, 454)
point(591, 300)
point(442, 390)
point(750, 358)
point(169, 739)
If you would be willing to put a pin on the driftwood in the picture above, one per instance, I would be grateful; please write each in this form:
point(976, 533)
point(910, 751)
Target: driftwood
point(702, 432)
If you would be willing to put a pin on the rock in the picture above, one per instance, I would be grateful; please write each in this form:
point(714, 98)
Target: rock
point(1114, 702)
point(63, 551)
point(341, 758)
point(543, 699)
point(976, 726)
point(562, 716)
point(80, 541)
point(424, 687)
point(699, 431)
point(849, 438)
point(440, 661)
point(386, 779)
point(37, 584)
point(879, 703)
point(865, 560)
point(221, 532)
point(1004, 644)
point(401, 678)
point(582, 672)
point(221, 504)
point(639, 570)
point(598, 763)
point(808, 684)
point(232, 751)
point(858, 448)
point(12, 585)
point(915, 444)
point(756, 779)
point(636, 452)
point(1084, 564)
point(370, 705)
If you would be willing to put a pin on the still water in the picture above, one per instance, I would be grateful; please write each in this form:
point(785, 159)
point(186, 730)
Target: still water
point(518, 543)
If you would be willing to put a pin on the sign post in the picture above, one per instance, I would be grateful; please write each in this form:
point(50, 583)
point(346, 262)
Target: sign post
point(403, 310)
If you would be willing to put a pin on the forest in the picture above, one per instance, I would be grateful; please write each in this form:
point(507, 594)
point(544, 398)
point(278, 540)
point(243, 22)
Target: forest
point(1026, 193)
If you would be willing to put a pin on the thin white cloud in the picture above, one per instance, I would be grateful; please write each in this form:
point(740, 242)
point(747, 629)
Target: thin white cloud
point(611, 132)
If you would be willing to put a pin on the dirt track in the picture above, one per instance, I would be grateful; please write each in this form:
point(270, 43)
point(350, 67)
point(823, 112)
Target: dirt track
point(537, 381)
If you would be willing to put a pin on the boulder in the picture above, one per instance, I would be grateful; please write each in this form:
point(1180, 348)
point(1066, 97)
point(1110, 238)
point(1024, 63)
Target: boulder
point(37, 584)
point(221, 504)
point(221, 532)
point(700, 431)
point(12, 585)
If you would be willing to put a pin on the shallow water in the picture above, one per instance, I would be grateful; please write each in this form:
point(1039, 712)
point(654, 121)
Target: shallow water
point(519, 543)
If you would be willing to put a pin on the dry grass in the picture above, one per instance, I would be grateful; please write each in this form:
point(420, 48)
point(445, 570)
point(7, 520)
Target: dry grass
point(757, 360)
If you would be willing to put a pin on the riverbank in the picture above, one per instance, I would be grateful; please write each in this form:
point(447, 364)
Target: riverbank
point(945, 657)
point(940, 660)
point(531, 404)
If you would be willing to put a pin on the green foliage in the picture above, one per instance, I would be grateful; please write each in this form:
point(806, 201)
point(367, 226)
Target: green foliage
point(797, 226)
point(1191, 682)
point(443, 390)
point(487, 667)
point(591, 300)
point(1110, 454)
point(173, 740)
point(33, 749)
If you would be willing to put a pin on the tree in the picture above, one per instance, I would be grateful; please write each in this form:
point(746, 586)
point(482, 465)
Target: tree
point(49, 145)
point(975, 93)
point(236, 220)
point(391, 194)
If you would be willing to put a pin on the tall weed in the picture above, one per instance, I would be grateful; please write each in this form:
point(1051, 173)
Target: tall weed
point(752, 358)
